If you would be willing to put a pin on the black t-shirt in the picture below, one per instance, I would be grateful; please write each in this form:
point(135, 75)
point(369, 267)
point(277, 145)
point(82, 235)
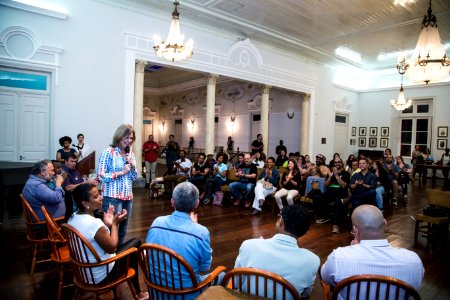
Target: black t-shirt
point(335, 186)
point(258, 145)
point(202, 168)
point(247, 169)
point(289, 186)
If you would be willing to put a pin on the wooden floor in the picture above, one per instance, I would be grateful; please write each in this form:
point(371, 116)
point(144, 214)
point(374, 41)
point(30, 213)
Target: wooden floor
point(229, 227)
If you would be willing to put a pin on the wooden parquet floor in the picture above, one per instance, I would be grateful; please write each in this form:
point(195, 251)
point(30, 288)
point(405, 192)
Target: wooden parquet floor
point(229, 227)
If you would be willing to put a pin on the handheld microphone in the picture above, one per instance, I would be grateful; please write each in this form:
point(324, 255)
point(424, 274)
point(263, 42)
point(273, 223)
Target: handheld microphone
point(127, 150)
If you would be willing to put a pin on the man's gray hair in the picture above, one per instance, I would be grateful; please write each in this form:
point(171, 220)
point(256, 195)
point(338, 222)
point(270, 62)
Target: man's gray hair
point(40, 166)
point(185, 197)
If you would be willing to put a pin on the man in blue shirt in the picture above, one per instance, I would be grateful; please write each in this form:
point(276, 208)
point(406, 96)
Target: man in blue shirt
point(37, 191)
point(181, 232)
point(363, 185)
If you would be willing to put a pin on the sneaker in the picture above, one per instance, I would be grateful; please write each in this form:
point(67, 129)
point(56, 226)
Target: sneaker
point(206, 201)
point(255, 212)
point(335, 229)
point(321, 221)
point(394, 202)
point(237, 202)
point(247, 204)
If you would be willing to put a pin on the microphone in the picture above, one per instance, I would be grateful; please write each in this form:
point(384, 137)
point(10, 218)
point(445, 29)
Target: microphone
point(127, 150)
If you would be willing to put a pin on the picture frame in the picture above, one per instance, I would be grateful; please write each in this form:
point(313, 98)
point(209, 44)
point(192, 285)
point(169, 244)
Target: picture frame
point(373, 131)
point(362, 142)
point(363, 131)
point(442, 144)
point(353, 141)
point(353, 131)
point(384, 142)
point(384, 131)
point(442, 131)
point(372, 142)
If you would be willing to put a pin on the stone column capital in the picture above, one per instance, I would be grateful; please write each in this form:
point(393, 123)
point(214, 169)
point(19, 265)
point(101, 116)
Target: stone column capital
point(140, 66)
point(212, 78)
point(266, 89)
point(306, 97)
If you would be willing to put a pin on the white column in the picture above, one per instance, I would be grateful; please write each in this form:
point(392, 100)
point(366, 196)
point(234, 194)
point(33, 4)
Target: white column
point(210, 113)
point(304, 139)
point(138, 112)
point(264, 127)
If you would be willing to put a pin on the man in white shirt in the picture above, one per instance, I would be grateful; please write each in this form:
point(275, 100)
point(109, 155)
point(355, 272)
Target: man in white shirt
point(83, 149)
point(181, 172)
point(371, 253)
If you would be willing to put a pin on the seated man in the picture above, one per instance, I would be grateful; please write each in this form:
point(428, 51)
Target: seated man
point(247, 179)
point(200, 172)
point(281, 253)
point(267, 185)
point(371, 253)
point(393, 170)
point(181, 232)
point(38, 192)
point(362, 185)
point(181, 172)
point(71, 181)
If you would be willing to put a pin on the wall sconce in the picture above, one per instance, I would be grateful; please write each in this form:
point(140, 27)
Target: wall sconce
point(290, 112)
point(191, 123)
point(163, 124)
point(233, 116)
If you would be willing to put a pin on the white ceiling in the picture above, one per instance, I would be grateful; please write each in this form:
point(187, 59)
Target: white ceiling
point(312, 29)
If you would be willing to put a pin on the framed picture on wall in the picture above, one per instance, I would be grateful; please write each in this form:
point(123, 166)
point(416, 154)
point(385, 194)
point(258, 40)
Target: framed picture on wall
point(372, 142)
point(384, 131)
point(442, 131)
point(362, 131)
point(352, 142)
point(353, 131)
point(362, 142)
point(384, 143)
point(441, 144)
point(373, 131)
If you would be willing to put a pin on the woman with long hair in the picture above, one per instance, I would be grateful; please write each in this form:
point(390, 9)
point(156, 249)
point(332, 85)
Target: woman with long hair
point(383, 183)
point(66, 150)
point(290, 184)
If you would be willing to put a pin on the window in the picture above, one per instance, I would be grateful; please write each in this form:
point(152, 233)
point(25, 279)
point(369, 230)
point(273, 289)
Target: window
point(415, 127)
point(340, 119)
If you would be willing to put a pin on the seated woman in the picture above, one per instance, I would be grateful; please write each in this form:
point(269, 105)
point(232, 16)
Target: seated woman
point(65, 151)
point(102, 233)
point(259, 160)
point(404, 174)
point(267, 184)
point(218, 178)
point(383, 183)
point(290, 183)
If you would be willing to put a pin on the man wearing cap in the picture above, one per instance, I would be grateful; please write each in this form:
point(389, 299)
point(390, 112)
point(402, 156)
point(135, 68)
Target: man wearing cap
point(181, 171)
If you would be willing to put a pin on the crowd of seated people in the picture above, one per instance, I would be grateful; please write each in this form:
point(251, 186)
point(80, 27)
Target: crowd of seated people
point(360, 182)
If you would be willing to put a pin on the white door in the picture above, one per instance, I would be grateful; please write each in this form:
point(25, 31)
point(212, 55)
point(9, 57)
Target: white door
point(341, 136)
point(24, 119)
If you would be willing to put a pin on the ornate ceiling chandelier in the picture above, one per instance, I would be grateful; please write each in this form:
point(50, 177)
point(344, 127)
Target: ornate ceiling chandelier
point(429, 62)
point(400, 103)
point(173, 48)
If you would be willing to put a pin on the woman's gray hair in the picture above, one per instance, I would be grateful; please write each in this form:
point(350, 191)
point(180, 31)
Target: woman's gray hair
point(185, 197)
point(121, 132)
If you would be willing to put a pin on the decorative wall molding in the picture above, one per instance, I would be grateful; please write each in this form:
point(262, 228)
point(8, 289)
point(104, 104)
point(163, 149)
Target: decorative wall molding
point(255, 103)
point(216, 110)
point(177, 111)
point(35, 9)
point(21, 48)
point(242, 60)
point(341, 105)
point(148, 113)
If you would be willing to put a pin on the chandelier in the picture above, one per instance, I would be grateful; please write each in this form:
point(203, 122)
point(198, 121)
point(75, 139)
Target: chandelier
point(173, 48)
point(429, 62)
point(400, 103)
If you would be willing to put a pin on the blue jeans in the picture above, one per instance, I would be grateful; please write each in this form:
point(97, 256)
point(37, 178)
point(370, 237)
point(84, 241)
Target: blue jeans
point(379, 196)
point(118, 206)
point(236, 187)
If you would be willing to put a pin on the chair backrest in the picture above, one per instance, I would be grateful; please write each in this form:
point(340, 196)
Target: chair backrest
point(36, 229)
point(163, 271)
point(439, 198)
point(55, 236)
point(79, 248)
point(373, 287)
point(259, 283)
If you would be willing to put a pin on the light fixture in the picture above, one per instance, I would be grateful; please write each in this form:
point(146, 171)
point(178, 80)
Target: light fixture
point(190, 124)
point(163, 124)
point(400, 103)
point(173, 48)
point(429, 62)
point(290, 112)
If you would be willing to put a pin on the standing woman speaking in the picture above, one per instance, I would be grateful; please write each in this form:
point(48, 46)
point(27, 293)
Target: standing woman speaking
point(116, 172)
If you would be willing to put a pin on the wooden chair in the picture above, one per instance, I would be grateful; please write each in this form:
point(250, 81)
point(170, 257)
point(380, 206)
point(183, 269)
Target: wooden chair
point(439, 199)
point(79, 247)
point(60, 250)
point(374, 287)
point(36, 234)
point(162, 267)
point(259, 283)
point(231, 177)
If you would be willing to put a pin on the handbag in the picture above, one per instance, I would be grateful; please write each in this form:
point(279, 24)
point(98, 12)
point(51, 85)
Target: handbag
point(218, 198)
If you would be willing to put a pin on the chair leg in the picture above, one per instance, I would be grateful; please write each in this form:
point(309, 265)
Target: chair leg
point(416, 231)
point(61, 281)
point(115, 293)
point(33, 261)
point(133, 290)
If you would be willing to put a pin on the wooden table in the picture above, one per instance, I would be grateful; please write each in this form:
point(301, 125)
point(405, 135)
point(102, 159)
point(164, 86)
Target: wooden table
point(433, 168)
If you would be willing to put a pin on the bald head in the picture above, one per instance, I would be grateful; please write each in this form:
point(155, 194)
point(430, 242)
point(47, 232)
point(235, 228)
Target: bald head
point(369, 221)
